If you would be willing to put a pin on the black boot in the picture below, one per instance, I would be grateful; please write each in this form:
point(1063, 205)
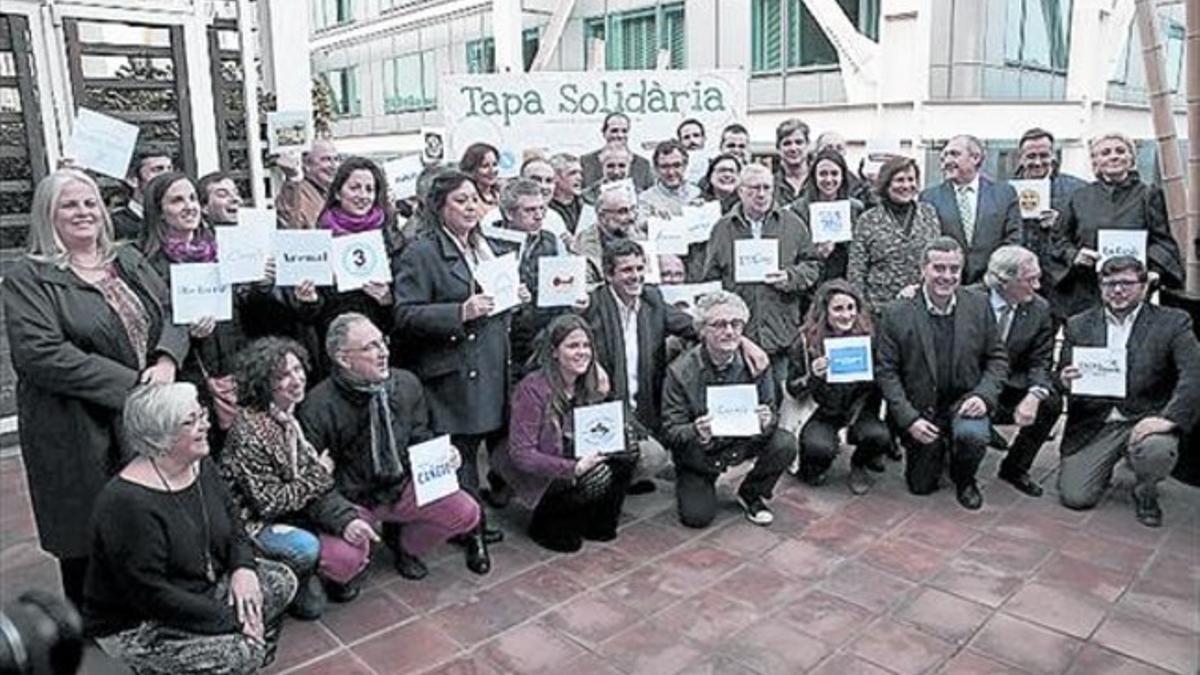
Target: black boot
point(310, 600)
point(478, 560)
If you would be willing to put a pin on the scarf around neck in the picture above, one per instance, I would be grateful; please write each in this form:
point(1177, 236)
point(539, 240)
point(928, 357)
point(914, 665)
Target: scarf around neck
point(385, 459)
point(341, 221)
point(201, 249)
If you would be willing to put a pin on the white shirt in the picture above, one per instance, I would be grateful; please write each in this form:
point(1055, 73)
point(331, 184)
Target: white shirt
point(629, 335)
point(1118, 338)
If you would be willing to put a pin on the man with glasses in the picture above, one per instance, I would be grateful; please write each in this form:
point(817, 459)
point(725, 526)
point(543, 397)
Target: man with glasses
point(1160, 358)
point(700, 455)
point(616, 218)
point(539, 170)
point(616, 132)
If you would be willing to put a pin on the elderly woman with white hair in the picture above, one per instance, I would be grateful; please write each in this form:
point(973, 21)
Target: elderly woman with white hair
point(87, 321)
point(1117, 200)
point(173, 585)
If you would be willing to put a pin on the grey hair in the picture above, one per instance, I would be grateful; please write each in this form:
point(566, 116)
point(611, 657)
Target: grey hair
point(754, 168)
point(1005, 265)
point(335, 335)
point(706, 303)
point(1113, 136)
point(973, 141)
point(562, 160)
point(44, 243)
point(614, 149)
point(607, 196)
point(153, 415)
point(514, 190)
point(827, 138)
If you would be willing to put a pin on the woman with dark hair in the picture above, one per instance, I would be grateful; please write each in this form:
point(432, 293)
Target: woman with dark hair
point(284, 486)
point(481, 162)
point(720, 182)
point(828, 181)
point(837, 311)
point(573, 498)
point(454, 343)
point(885, 255)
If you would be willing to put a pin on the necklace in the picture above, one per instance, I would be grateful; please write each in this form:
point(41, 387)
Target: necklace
point(209, 573)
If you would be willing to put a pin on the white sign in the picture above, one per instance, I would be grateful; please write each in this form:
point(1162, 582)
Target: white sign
point(669, 234)
point(878, 152)
point(433, 150)
point(697, 165)
point(699, 221)
point(102, 143)
point(500, 278)
point(197, 292)
point(599, 429)
point(402, 175)
point(849, 359)
point(243, 249)
point(653, 273)
point(289, 131)
point(360, 258)
point(303, 255)
point(1033, 196)
point(1112, 243)
point(562, 111)
point(684, 296)
point(434, 473)
point(1103, 372)
point(492, 230)
point(562, 280)
point(733, 410)
point(830, 221)
point(754, 259)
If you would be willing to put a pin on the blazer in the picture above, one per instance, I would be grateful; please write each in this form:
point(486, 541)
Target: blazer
point(997, 221)
point(907, 364)
point(1162, 372)
point(639, 170)
point(1030, 343)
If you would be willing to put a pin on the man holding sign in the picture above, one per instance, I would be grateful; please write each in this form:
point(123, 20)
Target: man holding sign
point(1142, 421)
point(691, 422)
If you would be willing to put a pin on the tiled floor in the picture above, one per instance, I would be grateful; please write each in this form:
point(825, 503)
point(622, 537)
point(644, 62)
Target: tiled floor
point(886, 583)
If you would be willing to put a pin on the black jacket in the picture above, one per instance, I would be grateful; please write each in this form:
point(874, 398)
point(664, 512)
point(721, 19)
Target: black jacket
point(839, 403)
point(1030, 343)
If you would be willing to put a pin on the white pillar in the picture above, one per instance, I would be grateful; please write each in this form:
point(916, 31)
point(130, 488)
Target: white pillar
point(506, 31)
point(283, 40)
point(200, 93)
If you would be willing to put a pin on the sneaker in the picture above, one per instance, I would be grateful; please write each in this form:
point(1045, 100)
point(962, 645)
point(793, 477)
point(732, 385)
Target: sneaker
point(757, 511)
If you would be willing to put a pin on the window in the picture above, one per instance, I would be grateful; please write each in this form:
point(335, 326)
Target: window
point(1038, 34)
point(1173, 32)
point(806, 42)
point(481, 53)
point(410, 83)
point(329, 13)
point(633, 39)
point(343, 82)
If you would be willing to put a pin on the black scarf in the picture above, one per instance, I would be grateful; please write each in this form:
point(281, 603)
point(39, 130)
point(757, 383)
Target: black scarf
point(384, 458)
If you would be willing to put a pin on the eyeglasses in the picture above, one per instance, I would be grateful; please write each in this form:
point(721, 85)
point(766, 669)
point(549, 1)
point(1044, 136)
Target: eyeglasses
point(621, 211)
point(722, 324)
point(1120, 284)
point(379, 346)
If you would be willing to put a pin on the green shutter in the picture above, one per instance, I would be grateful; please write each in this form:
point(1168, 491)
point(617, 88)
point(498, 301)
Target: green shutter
point(765, 34)
point(673, 37)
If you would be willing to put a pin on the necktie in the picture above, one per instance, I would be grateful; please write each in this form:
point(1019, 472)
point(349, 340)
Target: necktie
point(1004, 321)
point(966, 214)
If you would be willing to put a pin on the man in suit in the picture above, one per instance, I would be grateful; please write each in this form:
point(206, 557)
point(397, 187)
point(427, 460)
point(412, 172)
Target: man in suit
point(941, 366)
point(616, 130)
point(1161, 400)
point(980, 214)
point(1029, 398)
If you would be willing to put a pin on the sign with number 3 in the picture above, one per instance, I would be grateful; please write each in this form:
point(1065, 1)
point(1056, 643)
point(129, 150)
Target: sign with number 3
point(359, 259)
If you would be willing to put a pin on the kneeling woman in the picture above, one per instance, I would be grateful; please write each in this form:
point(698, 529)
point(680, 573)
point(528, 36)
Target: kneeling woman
point(573, 498)
point(173, 586)
point(837, 311)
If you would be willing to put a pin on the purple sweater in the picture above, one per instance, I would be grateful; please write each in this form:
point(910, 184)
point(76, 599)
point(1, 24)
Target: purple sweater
point(532, 457)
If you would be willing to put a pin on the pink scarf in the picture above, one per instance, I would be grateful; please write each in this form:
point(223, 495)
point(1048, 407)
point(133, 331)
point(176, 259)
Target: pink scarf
point(340, 221)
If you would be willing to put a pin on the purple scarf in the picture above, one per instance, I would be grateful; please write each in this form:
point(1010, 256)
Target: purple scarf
point(201, 249)
point(342, 222)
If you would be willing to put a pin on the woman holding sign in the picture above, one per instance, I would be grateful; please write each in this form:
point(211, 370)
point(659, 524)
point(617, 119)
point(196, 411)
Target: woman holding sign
point(828, 181)
point(87, 321)
point(574, 496)
point(852, 402)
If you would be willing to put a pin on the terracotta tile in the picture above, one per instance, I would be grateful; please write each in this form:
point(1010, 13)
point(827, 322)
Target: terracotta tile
point(791, 519)
point(905, 558)
point(532, 648)
point(878, 513)
point(707, 617)
point(1115, 519)
point(973, 663)
point(976, 581)
point(509, 560)
point(1183, 542)
point(848, 664)
point(933, 529)
point(302, 641)
point(1028, 646)
point(409, 648)
point(589, 664)
point(1106, 552)
point(1174, 571)
point(1024, 525)
point(439, 589)
point(772, 647)
point(743, 541)
point(342, 662)
point(801, 560)
point(484, 615)
point(646, 539)
point(1076, 614)
point(647, 649)
point(867, 586)
point(1011, 555)
point(1165, 602)
point(900, 648)
point(840, 534)
point(945, 616)
point(717, 664)
point(646, 590)
point(1155, 643)
point(594, 565)
point(591, 618)
point(1067, 572)
point(759, 586)
point(1093, 660)
point(373, 611)
point(821, 502)
point(544, 584)
point(697, 565)
point(826, 616)
point(471, 664)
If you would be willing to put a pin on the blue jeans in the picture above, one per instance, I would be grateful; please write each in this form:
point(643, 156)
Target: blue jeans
point(298, 549)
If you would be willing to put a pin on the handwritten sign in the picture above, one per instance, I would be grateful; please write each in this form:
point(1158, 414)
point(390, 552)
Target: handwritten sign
point(754, 259)
point(244, 248)
point(732, 408)
point(830, 221)
point(1103, 372)
point(197, 292)
point(669, 233)
point(599, 429)
point(434, 473)
point(699, 220)
point(1033, 196)
point(501, 279)
point(562, 280)
point(289, 131)
point(684, 296)
point(849, 359)
point(402, 175)
point(358, 259)
point(1112, 243)
point(303, 255)
point(102, 143)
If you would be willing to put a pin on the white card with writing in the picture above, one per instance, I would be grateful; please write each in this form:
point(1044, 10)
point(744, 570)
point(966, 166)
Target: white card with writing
point(197, 292)
point(402, 175)
point(699, 221)
point(303, 255)
point(653, 273)
point(849, 359)
point(493, 230)
point(358, 259)
point(102, 143)
point(562, 280)
point(289, 131)
point(1112, 243)
point(830, 221)
point(501, 279)
point(243, 249)
point(684, 296)
point(599, 429)
point(1033, 196)
point(669, 234)
point(754, 259)
point(697, 165)
point(732, 408)
point(1103, 372)
point(433, 472)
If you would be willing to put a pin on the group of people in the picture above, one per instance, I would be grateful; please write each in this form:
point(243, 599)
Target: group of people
point(198, 481)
